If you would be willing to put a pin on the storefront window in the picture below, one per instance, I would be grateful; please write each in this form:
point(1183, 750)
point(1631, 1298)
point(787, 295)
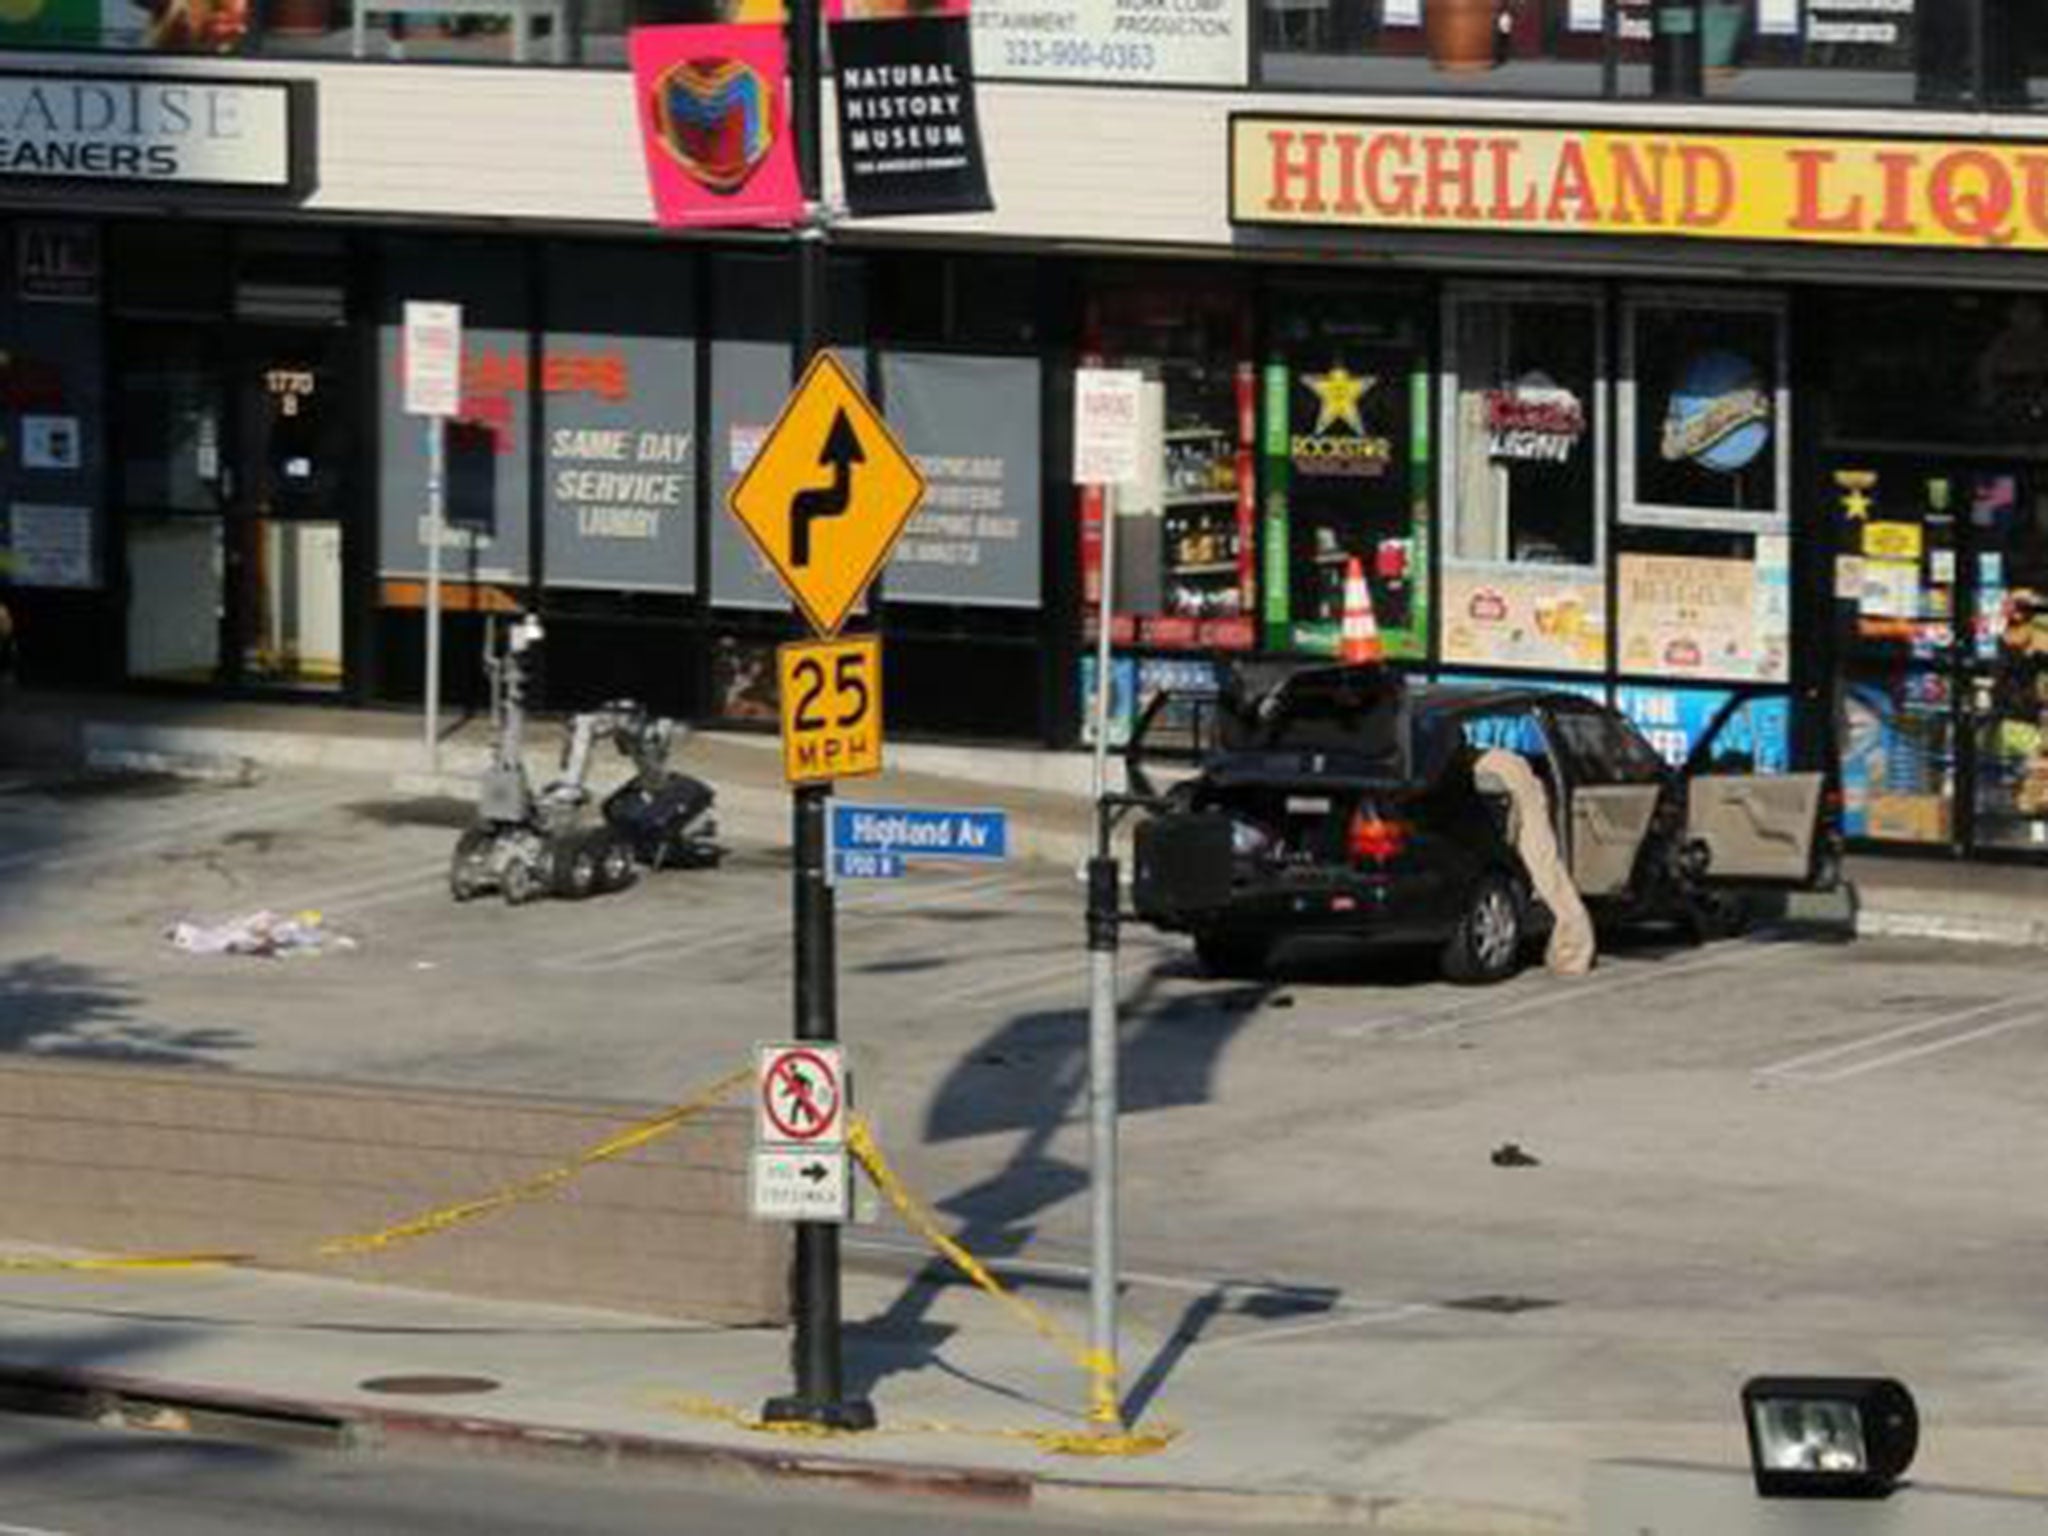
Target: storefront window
point(1704, 412)
point(488, 474)
point(1184, 557)
point(1524, 480)
point(1703, 577)
point(618, 417)
point(1346, 464)
point(972, 425)
point(1869, 52)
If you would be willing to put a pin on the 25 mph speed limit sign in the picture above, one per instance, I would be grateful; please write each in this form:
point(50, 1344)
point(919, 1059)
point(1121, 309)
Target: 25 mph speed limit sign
point(831, 709)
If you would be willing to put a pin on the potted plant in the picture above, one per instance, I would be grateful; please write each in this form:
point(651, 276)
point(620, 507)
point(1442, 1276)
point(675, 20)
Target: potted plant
point(1463, 35)
point(1723, 24)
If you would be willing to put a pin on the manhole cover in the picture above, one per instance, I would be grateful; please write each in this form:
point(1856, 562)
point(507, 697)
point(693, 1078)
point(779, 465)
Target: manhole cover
point(429, 1386)
point(1508, 1304)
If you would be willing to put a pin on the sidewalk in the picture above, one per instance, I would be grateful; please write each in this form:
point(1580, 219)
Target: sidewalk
point(1288, 1433)
point(1045, 793)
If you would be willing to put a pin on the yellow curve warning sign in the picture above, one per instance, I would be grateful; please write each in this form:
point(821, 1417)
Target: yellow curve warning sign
point(828, 494)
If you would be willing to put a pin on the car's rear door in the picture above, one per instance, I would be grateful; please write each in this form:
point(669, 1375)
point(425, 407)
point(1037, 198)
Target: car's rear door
point(1615, 783)
point(1754, 822)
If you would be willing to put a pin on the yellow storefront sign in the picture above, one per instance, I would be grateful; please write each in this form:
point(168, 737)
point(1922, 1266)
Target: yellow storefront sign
point(1978, 194)
point(1891, 541)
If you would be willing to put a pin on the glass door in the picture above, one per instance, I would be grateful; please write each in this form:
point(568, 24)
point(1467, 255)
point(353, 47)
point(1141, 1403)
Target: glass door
point(2005, 658)
point(232, 452)
point(284, 553)
point(171, 424)
point(1895, 576)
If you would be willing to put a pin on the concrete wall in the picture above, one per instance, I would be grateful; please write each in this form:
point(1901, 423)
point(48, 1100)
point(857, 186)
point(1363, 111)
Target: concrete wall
point(118, 1159)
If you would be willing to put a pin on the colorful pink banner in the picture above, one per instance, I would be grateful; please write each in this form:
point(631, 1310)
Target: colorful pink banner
point(891, 10)
point(714, 121)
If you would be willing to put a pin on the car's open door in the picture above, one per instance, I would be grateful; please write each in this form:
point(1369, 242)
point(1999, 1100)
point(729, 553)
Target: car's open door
point(1748, 821)
point(1608, 825)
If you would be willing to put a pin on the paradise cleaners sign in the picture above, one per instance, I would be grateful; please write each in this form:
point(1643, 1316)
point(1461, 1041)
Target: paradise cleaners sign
point(244, 135)
point(1854, 191)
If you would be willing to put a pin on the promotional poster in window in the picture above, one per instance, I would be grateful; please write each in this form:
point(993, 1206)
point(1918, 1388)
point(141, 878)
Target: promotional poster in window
point(1346, 448)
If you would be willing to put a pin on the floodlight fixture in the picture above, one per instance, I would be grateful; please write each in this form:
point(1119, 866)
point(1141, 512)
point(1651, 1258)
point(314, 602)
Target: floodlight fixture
point(1829, 1437)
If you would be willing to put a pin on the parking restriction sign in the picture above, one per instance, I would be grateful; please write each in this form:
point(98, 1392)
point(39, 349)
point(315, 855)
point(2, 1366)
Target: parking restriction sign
point(801, 1096)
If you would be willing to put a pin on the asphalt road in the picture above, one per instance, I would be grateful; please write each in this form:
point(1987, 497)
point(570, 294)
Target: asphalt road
point(66, 1479)
point(1803, 1147)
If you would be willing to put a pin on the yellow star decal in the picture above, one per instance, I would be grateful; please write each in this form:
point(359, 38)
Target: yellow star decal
point(1337, 395)
point(1855, 505)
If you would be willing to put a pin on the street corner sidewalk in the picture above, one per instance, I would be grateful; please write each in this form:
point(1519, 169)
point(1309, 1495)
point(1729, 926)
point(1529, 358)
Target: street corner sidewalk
point(970, 1401)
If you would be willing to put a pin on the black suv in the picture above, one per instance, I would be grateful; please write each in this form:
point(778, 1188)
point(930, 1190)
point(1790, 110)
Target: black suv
point(1343, 800)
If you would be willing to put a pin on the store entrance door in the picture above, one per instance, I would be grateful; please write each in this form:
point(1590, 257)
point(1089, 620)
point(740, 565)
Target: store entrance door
point(2003, 657)
point(1941, 592)
point(234, 443)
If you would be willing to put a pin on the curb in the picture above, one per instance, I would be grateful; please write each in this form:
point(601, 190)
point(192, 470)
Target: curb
point(116, 1400)
point(1930, 922)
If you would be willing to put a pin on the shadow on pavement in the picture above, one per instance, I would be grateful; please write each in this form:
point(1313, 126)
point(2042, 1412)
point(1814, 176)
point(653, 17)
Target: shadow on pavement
point(1260, 1300)
point(41, 1377)
point(53, 1008)
point(1031, 1076)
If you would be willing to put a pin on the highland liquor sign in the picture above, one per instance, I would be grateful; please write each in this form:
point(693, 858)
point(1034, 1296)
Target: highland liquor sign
point(1812, 189)
point(188, 132)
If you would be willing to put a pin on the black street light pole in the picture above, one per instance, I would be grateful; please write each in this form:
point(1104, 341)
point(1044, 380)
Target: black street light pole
point(819, 1397)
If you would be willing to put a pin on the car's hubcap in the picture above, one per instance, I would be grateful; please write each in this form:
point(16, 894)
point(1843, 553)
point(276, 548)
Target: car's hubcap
point(1493, 928)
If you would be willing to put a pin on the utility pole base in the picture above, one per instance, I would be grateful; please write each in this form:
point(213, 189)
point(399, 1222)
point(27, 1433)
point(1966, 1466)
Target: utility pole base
point(854, 1413)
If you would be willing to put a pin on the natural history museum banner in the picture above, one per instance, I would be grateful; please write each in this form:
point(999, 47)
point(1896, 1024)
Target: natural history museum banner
point(1813, 189)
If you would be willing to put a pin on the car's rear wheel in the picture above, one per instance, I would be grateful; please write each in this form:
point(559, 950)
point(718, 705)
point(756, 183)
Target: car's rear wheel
point(1232, 955)
point(1487, 944)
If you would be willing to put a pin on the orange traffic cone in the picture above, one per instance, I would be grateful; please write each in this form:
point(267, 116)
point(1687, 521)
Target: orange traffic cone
point(1359, 640)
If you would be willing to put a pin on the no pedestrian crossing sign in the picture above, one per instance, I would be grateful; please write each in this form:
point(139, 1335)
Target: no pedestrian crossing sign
point(800, 1168)
point(801, 1097)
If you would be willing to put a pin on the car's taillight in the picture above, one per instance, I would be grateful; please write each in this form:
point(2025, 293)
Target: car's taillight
point(1375, 839)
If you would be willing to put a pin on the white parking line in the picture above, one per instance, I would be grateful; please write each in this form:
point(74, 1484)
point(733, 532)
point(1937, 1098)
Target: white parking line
point(1352, 1319)
point(1801, 1068)
point(1742, 955)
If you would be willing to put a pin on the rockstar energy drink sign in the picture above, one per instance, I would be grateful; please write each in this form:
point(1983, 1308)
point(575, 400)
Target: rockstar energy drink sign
point(1974, 194)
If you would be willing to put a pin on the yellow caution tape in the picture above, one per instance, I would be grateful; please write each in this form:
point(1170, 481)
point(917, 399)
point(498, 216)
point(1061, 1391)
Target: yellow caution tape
point(1060, 1441)
point(444, 1217)
point(22, 1265)
point(1104, 1409)
point(438, 1220)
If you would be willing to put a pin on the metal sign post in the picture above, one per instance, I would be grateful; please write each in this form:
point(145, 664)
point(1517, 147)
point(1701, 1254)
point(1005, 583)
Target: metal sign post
point(433, 390)
point(437, 527)
point(1106, 454)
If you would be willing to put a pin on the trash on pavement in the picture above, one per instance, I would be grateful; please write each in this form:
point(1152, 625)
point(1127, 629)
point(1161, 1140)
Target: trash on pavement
point(265, 933)
point(1509, 1154)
